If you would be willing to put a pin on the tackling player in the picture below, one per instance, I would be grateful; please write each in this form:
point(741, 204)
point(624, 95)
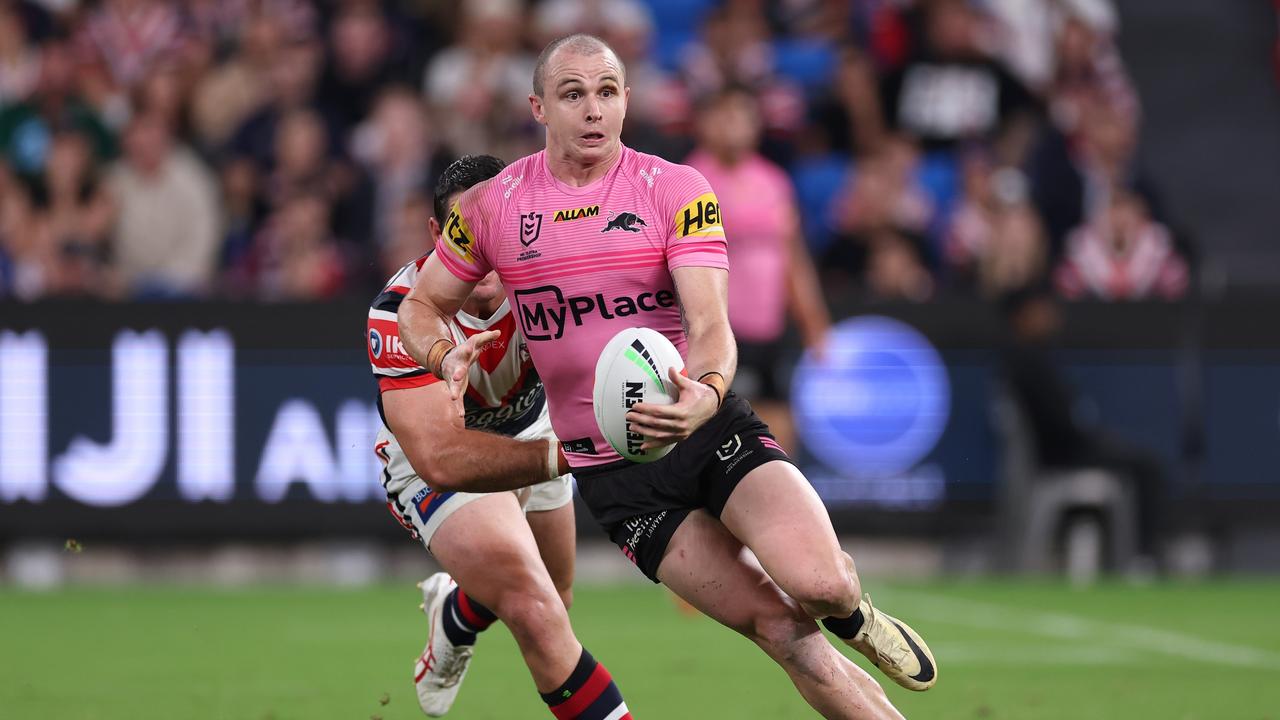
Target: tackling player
point(590, 237)
point(513, 566)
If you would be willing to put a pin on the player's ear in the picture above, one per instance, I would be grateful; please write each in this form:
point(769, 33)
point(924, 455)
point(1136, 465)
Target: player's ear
point(539, 112)
point(434, 226)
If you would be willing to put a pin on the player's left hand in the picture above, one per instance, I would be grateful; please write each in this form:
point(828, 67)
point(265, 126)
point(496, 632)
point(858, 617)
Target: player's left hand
point(667, 424)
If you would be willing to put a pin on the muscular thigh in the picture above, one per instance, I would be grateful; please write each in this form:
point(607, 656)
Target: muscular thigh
point(488, 548)
point(556, 535)
point(714, 572)
point(776, 512)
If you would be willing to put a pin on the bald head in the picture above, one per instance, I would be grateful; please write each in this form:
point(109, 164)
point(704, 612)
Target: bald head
point(578, 44)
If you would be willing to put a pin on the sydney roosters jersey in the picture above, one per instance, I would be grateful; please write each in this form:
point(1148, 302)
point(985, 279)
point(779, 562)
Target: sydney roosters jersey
point(582, 263)
point(504, 394)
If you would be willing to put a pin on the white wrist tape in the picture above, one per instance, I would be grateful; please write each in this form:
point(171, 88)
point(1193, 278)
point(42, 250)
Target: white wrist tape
point(553, 458)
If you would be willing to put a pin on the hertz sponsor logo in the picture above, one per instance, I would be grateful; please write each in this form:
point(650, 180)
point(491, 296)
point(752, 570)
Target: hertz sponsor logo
point(458, 236)
point(700, 216)
point(577, 214)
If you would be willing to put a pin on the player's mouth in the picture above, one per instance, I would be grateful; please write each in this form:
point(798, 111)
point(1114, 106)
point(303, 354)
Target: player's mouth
point(592, 138)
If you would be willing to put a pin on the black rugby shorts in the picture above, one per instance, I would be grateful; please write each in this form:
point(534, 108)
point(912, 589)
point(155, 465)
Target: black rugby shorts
point(639, 506)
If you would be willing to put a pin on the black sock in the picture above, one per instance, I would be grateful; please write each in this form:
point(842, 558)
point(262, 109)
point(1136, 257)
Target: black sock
point(463, 618)
point(845, 628)
point(588, 694)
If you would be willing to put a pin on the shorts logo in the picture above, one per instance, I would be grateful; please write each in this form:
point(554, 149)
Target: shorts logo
point(577, 214)
point(544, 311)
point(458, 236)
point(700, 216)
point(375, 343)
point(730, 448)
point(530, 228)
point(627, 221)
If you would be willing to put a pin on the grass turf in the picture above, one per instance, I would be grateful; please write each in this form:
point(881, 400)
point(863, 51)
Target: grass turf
point(1007, 650)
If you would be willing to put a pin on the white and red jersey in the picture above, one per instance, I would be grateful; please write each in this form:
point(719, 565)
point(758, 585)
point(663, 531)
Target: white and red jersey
point(1149, 267)
point(504, 393)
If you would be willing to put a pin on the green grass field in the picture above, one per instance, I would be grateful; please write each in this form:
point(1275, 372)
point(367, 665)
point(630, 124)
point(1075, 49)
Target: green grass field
point(1006, 650)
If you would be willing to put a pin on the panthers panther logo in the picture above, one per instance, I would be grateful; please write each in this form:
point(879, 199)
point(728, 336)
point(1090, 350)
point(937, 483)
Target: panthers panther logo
point(627, 221)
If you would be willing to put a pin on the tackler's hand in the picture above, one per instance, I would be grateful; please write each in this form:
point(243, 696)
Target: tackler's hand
point(456, 366)
point(668, 424)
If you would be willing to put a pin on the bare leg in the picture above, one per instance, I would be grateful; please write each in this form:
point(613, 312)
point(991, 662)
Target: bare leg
point(489, 550)
point(557, 544)
point(711, 569)
point(775, 512)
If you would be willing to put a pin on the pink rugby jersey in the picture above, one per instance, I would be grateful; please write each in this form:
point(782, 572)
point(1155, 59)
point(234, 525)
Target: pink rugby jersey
point(504, 394)
point(581, 263)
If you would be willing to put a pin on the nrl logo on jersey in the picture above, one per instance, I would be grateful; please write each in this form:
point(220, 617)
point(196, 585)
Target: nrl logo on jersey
point(576, 214)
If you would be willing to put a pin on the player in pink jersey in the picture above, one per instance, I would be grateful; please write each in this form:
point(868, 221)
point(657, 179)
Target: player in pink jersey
point(512, 552)
point(590, 237)
point(772, 271)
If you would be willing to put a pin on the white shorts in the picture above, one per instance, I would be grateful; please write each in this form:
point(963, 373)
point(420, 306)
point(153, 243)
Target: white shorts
point(421, 510)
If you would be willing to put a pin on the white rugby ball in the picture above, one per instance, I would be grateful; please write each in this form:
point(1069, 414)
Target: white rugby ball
point(633, 368)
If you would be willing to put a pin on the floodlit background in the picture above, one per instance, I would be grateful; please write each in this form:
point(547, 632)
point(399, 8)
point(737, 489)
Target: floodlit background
point(1022, 340)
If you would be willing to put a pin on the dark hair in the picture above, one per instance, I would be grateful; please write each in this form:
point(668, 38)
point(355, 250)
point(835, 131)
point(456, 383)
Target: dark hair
point(581, 44)
point(463, 173)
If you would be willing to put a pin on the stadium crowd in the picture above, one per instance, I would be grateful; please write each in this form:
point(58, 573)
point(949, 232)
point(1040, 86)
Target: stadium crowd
point(285, 149)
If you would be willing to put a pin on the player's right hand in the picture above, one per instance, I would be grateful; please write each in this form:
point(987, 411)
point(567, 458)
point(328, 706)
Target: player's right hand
point(456, 366)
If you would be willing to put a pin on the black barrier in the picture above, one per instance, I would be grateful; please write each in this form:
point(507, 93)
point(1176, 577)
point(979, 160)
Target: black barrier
point(235, 420)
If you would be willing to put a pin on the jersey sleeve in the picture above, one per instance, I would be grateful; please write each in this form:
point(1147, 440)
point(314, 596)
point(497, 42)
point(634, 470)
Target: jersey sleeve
point(463, 238)
point(695, 235)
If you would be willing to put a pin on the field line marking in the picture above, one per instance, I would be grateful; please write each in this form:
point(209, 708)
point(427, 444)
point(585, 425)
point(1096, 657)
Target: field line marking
point(991, 616)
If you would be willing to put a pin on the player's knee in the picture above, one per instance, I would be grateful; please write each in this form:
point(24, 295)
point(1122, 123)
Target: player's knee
point(836, 596)
point(777, 627)
point(532, 613)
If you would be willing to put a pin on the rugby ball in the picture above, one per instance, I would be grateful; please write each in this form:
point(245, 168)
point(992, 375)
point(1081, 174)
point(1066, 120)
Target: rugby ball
point(633, 368)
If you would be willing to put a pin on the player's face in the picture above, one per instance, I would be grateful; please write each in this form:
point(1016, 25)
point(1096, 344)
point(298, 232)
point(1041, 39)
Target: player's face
point(583, 106)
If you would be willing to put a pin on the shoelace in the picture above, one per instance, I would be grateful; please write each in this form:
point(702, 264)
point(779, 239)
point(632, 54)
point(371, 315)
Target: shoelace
point(884, 637)
point(455, 663)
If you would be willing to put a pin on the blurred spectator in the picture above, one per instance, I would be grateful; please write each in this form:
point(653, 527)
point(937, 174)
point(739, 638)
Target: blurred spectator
point(25, 256)
point(361, 62)
point(881, 206)
point(850, 118)
point(1122, 255)
point(26, 129)
point(1087, 68)
point(294, 73)
point(395, 146)
point(118, 43)
point(479, 87)
point(1074, 178)
point(19, 59)
point(298, 257)
point(76, 213)
point(895, 270)
point(1049, 405)
point(166, 238)
point(772, 271)
point(994, 242)
point(952, 90)
point(410, 236)
point(227, 95)
point(736, 50)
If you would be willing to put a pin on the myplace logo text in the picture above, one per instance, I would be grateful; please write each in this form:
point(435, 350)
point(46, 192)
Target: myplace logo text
point(545, 311)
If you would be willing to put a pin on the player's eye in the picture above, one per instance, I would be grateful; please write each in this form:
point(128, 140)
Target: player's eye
point(607, 92)
point(572, 95)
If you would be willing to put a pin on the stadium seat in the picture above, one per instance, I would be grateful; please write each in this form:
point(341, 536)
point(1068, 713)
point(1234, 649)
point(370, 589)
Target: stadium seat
point(817, 182)
point(1038, 506)
point(806, 62)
